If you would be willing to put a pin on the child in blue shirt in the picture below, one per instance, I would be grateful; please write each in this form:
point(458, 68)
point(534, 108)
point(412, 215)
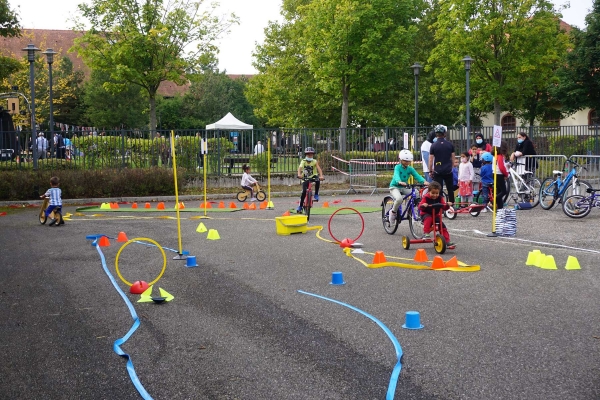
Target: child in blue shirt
point(399, 183)
point(55, 196)
point(487, 176)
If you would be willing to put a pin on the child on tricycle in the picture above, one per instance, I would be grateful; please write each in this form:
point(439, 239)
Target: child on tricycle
point(429, 212)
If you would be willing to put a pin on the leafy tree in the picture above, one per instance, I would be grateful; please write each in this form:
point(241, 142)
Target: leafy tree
point(9, 27)
point(579, 85)
point(145, 43)
point(516, 45)
point(113, 110)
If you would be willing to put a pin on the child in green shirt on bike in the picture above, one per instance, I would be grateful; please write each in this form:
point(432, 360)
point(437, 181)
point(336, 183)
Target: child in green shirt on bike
point(309, 168)
point(399, 183)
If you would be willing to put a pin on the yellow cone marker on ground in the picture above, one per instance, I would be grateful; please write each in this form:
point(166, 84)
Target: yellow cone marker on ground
point(572, 263)
point(213, 235)
point(532, 258)
point(201, 228)
point(105, 206)
point(548, 263)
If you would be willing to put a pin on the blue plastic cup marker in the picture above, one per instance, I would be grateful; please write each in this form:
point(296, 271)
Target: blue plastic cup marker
point(190, 261)
point(337, 278)
point(413, 320)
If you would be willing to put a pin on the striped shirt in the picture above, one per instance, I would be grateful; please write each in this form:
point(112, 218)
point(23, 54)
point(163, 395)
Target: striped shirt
point(55, 196)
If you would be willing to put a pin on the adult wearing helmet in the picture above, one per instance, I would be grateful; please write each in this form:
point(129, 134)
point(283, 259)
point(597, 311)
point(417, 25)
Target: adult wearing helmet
point(399, 183)
point(441, 161)
point(308, 168)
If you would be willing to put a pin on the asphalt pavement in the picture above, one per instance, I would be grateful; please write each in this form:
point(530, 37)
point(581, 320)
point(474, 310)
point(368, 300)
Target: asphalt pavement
point(238, 327)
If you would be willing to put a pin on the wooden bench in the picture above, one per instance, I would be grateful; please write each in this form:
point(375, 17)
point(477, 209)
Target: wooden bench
point(229, 161)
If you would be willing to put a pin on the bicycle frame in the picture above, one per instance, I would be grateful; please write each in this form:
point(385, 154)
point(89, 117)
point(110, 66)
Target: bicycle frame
point(410, 205)
point(563, 184)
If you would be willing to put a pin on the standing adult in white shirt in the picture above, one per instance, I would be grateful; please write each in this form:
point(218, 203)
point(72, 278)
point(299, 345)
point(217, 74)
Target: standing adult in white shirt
point(259, 148)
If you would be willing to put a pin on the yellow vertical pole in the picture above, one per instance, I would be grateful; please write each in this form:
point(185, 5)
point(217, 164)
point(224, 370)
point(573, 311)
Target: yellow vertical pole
point(495, 169)
point(180, 252)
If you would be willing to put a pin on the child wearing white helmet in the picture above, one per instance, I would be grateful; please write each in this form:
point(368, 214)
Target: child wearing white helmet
point(399, 183)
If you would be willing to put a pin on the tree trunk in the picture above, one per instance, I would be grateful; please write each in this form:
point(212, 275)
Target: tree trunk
point(152, 114)
point(344, 121)
point(497, 112)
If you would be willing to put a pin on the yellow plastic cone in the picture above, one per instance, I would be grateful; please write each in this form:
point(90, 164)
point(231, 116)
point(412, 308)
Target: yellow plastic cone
point(201, 228)
point(270, 205)
point(105, 206)
point(532, 257)
point(548, 263)
point(572, 263)
point(213, 235)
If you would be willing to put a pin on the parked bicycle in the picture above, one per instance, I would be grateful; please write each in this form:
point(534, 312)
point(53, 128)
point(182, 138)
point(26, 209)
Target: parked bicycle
point(579, 206)
point(410, 212)
point(557, 188)
point(523, 189)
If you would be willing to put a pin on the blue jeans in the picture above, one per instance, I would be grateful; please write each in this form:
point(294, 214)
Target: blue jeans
point(485, 192)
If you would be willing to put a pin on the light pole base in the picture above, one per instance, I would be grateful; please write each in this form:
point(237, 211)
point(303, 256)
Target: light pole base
point(493, 234)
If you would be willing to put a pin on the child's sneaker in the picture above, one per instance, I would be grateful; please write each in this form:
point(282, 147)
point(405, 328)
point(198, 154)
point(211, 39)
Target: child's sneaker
point(451, 244)
point(392, 218)
point(426, 236)
point(253, 199)
point(316, 198)
point(299, 210)
point(52, 222)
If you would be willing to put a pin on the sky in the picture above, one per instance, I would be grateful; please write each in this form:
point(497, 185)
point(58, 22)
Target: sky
point(236, 48)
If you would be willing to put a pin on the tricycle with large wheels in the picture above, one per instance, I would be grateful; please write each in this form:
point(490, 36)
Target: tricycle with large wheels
point(438, 240)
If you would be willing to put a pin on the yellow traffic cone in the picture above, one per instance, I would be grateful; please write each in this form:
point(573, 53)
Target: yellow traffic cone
point(532, 258)
point(201, 228)
point(572, 263)
point(548, 263)
point(213, 235)
point(105, 206)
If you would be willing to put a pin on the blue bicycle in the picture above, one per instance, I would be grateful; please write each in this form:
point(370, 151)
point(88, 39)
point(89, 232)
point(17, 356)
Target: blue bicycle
point(578, 206)
point(410, 213)
point(557, 188)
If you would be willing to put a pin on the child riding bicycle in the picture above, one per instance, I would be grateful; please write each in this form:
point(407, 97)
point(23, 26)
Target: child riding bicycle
point(248, 182)
point(55, 196)
point(308, 168)
point(399, 184)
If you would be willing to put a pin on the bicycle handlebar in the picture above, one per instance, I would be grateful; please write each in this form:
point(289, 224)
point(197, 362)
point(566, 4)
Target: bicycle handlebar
point(311, 179)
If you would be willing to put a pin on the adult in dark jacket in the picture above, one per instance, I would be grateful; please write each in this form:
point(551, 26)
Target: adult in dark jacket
point(524, 148)
point(441, 161)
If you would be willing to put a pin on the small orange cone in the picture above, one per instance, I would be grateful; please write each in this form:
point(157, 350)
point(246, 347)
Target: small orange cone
point(180, 206)
point(232, 205)
point(122, 237)
point(453, 262)
point(286, 214)
point(147, 205)
point(326, 204)
point(134, 205)
point(263, 205)
point(379, 258)
point(246, 206)
point(114, 206)
point(437, 263)
point(205, 205)
point(222, 204)
point(103, 242)
point(160, 206)
point(252, 206)
point(421, 255)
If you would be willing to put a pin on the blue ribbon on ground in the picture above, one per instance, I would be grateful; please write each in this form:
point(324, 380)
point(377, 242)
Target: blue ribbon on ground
point(136, 322)
point(396, 371)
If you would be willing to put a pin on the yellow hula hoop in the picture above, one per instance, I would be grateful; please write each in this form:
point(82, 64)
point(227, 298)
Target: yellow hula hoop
point(141, 240)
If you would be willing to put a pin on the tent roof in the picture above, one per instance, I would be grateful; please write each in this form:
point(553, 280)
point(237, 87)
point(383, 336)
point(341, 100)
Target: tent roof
point(229, 122)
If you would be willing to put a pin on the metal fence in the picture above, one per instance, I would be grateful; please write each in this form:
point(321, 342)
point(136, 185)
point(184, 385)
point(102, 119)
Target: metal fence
point(230, 149)
point(363, 175)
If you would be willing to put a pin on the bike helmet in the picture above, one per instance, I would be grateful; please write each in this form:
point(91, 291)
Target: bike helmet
point(440, 129)
point(309, 150)
point(405, 155)
point(487, 157)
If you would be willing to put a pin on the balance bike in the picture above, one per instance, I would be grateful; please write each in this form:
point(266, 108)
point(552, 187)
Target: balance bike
point(439, 242)
point(53, 215)
point(245, 194)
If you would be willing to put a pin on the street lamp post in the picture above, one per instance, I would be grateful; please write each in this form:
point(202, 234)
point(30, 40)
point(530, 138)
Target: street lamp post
point(50, 58)
point(416, 69)
point(467, 60)
point(31, 49)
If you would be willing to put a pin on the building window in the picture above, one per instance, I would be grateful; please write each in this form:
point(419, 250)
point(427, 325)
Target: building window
point(593, 118)
point(551, 120)
point(509, 123)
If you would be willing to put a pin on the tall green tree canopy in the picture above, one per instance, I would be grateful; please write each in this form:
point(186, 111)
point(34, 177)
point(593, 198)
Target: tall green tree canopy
point(146, 42)
point(579, 78)
point(9, 27)
point(516, 46)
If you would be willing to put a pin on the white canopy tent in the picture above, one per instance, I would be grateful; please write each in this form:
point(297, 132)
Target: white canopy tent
point(229, 122)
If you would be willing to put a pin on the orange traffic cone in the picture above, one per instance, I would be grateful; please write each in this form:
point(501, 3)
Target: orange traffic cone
point(326, 204)
point(134, 205)
point(222, 204)
point(160, 206)
point(232, 205)
point(122, 237)
point(421, 255)
point(379, 258)
point(103, 242)
point(147, 205)
point(205, 205)
point(252, 206)
point(437, 263)
point(286, 214)
point(263, 205)
point(114, 206)
point(453, 262)
point(246, 206)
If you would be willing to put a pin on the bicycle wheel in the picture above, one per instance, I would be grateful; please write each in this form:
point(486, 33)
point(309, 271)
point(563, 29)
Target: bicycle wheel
point(439, 244)
point(450, 213)
point(308, 203)
point(533, 197)
point(415, 223)
point(241, 196)
point(577, 206)
point(43, 207)
point(475, 209)
point(579, 188)
point(548, 193)
point(386, 206)
point(261, 196)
